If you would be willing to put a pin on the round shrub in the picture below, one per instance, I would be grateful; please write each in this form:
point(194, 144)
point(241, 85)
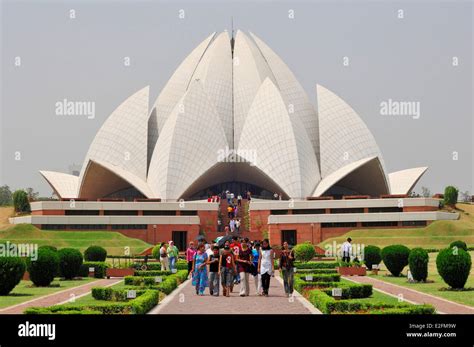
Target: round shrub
point(155, 253)
point(418, 263)
point(95, 253)
point(458, 244)
point(454, 265)
point(20, 201)
point(43, 269)
point(51, 248)
point(372, 256)
point(304, 252)
point(11, 273)
point(450, 195)
point(70, 261)
point(395, 258)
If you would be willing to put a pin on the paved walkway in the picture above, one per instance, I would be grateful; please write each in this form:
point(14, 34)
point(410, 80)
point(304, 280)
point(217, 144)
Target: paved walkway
point(414, 296)
point(185, 301)
point(59, 297)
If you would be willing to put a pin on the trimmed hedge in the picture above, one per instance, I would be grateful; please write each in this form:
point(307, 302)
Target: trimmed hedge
point(322, 277)
point(395, 258)
point(11, 273)
point(70, 261)
point(327, 304)
point(43, 270)
point(304, 252)
point(316, 271)
point(168, 284)
point(352, 291)
point(60, 309)
point(151, 273)
point(110, 294)
point(140, 305)
point(454, 266)
point(180, 265)
point(100, 269)
point(418, 263)
point(372, 256)
point(317, 265)
point(95, 253)
point(458, 244)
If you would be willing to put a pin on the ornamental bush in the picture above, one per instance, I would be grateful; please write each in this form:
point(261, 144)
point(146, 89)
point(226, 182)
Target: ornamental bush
point(450, 195)
point(155, 253)
point(418, 263)
point(372, 256)
point(20, 201)
point(43, 269)
point(458, 244)
point(454, 265)
point(395, 258)
point(11, 273)
point(51, 248)
point(70, 261)
point(95, 253)
point(304, 252)
point(100, 269)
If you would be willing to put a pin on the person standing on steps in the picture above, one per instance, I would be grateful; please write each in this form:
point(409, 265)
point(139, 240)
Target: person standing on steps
point(266, 267)
point(239, 200)
point(190, 252)
point(227, 269)
point(237, 226)
point(287, 268)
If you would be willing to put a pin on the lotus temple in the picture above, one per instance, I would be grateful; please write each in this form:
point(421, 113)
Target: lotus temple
point(233, 117)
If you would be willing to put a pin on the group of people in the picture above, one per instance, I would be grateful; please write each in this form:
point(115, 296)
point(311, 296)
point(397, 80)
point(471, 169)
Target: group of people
point(168, 256)
point(233, 264)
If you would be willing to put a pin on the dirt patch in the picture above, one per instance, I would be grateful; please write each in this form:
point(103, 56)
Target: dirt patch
point(5, 213)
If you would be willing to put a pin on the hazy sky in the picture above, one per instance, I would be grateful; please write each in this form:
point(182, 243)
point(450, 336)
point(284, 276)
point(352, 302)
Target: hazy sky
point(81, 59)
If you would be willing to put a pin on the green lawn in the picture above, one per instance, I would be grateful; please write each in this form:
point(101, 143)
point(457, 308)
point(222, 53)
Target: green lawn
point(438, 234)
point(113, 242)
point(25, 291)
point(463, 297)
point(376, 296)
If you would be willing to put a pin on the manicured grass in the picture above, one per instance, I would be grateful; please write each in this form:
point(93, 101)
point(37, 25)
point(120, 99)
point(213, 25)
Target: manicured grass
point(462, 297)
point(113, 242)
point(437, 235)
point(376, 296)
point(25, 291)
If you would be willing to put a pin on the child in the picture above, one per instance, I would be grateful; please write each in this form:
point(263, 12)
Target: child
point(214, 271)
point(227, 268)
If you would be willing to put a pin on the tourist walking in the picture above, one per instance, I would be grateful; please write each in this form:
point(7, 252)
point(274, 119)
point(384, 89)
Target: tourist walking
point(230, 210)
point(239, 200)
point(190, 252)
point(165, 265)
point(232, 225)
point(257, 278)
point(287, 268)
point(236, 247)
point(199, 271)
point(244, 260)
point(237, 225)
point(173, 253)
point(266, 266)
point(214, 271)
point(226, 269)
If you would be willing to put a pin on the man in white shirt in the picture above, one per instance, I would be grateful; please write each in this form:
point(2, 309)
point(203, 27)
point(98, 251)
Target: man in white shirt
point(237, 225)
point(232, 225)
point(346, 250)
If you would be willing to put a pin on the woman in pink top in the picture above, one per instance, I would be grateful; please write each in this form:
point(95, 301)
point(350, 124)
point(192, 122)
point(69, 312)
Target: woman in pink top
point(190, 252)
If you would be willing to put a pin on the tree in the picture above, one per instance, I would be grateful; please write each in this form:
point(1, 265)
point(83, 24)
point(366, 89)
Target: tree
point(20, 201)
point(32, 195)
point(425, 192)
point(450, 195)
point(5, 195)
point(465, 196)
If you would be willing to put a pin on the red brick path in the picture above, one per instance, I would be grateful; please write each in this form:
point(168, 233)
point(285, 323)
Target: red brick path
point(59, 297)
point(185, 301)
point(411, 295)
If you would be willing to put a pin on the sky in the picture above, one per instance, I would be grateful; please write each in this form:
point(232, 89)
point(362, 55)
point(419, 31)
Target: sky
point(417, 51)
